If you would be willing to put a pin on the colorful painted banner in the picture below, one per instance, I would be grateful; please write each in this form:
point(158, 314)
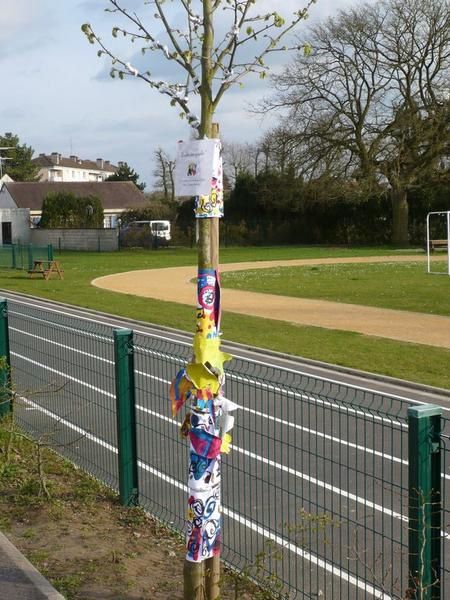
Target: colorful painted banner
point(211, 204)
point(208, 301)
point(204, 524)
point(199, 387)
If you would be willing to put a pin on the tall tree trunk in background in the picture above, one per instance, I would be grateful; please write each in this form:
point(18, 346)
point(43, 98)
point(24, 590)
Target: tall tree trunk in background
point(164, 178)
point(400, 216)
point(172, 182)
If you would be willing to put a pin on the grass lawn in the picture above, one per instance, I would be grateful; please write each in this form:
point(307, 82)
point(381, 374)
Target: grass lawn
point(406, 361)
point(403, 286)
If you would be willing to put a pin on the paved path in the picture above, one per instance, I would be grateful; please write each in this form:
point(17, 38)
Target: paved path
point(175, 285)
point(19, 580)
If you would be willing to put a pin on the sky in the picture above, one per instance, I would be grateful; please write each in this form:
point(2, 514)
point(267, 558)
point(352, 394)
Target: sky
point(57, 95)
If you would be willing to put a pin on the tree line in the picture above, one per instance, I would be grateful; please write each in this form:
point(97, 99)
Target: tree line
point(362, 149)
point(370, 107)
point(361, 152)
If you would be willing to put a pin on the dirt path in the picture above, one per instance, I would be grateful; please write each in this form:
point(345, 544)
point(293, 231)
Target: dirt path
point(174, 285)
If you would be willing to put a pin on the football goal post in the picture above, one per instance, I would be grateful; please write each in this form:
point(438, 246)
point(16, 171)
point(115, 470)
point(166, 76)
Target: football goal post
point(438, 237)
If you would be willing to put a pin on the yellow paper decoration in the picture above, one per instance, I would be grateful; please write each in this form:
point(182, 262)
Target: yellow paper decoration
point(202, 378)
point(208, 350)
point(226, 442)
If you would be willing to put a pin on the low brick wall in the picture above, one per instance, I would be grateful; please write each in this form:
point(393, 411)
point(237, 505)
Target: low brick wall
point(93, 240)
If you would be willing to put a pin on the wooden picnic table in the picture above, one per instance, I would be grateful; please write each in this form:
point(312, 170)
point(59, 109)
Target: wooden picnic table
point(46, 268)
point(435, 244)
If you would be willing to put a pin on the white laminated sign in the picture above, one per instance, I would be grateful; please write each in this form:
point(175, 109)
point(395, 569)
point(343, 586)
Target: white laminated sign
point(196, 165)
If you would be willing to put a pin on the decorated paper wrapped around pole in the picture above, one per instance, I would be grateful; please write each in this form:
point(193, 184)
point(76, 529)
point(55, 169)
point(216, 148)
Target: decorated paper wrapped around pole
point(199, 386)
point(211, 204)
point(204, 524)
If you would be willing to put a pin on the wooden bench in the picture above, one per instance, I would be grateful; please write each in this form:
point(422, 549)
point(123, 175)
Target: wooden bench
point(437, 244)
point(46, 268)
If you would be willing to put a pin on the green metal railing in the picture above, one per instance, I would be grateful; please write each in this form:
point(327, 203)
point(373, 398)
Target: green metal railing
point(330, 490)
point(22, 256)
point(425, 501)
point(444, 506)
point(5, 361)
point(126, 416)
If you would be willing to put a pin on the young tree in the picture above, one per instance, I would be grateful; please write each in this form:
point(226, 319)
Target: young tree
point(19, 165)
point(126, 173)
point(209, 52)
point(372, 100)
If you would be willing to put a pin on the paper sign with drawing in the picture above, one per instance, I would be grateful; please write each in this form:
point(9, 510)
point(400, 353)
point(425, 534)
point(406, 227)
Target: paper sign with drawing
point(196, 165)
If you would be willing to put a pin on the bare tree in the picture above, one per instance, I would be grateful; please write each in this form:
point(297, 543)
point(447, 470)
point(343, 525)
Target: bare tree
point(281, 151)
point(164, 174)
point(238, 158)
point(372, 100)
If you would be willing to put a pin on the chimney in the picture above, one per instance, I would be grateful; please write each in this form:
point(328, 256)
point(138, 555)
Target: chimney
point(107, 163)
point(74, 158)
point(42, 154)
point(120, 164)
point(55, 158)
point(100, 163)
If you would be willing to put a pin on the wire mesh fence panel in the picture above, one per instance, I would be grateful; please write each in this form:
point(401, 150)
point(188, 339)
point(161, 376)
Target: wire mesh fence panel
point(315, 489)
point(6, 257)
point(21, 256)
point(162, 452)
point(323, 469)
point(63, 375)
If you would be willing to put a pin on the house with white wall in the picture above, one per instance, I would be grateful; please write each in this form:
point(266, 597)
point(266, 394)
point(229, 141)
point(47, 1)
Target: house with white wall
point(57, 168)
point(116, 197)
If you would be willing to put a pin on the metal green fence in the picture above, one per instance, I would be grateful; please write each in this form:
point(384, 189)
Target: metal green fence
point(444, 507)
point(330, 491)
point(21, 256)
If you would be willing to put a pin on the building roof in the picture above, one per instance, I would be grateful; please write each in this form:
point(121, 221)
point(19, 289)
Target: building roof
point(112, 194)
point(73, 162)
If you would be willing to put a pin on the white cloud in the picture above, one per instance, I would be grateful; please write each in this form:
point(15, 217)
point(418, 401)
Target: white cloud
point(56, 102)
point(16, 16)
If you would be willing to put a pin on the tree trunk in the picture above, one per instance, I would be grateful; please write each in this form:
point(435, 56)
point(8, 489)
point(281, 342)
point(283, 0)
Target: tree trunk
point(193, 581)
point(400, 217)
point(202, 579)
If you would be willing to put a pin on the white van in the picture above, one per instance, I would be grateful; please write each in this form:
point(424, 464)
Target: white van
point(159, 229)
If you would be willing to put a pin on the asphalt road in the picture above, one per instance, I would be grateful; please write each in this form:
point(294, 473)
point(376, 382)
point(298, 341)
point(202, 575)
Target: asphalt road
point(317, 478)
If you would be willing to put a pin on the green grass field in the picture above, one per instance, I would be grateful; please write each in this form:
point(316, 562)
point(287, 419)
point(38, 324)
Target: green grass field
point(402, 286)
point(406, 361)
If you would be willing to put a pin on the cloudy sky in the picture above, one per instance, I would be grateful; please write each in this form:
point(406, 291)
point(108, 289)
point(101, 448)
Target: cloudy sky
point(56, 94)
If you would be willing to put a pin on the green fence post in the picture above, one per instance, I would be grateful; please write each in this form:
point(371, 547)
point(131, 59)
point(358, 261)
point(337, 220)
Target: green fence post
point(30, 257)
point(5, 367)
point(126, 416)
point(13, 256)
point(50, 252)
point(425, 503)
